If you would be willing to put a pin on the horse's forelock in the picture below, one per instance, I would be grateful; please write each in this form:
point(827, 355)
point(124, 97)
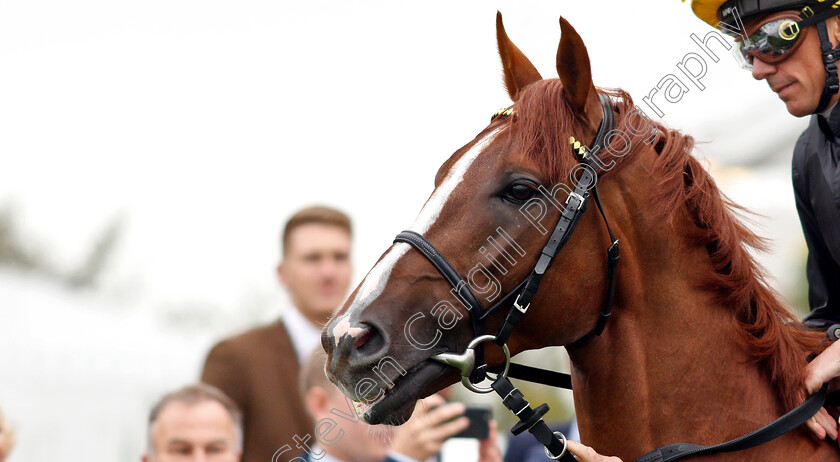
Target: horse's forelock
point(544, 122)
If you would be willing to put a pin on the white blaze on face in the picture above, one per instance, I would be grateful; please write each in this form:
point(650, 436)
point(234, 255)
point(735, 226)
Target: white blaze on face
point(454, 176)
point(376, 280)
point(370, 289)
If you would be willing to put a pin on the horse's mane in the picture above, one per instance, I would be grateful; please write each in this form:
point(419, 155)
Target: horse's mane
point(774, 337)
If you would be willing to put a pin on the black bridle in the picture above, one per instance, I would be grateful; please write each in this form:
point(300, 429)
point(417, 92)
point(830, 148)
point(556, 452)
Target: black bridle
point(518, 300)
point(471, 363)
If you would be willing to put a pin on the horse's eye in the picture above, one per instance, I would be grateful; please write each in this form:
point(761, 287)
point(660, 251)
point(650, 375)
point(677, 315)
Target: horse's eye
point(520, 192)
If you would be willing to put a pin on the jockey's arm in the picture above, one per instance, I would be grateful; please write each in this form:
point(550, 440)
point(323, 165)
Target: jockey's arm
point(824, 368)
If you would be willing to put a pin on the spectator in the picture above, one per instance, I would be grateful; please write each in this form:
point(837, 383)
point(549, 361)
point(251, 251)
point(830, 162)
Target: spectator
point(259, 369)
point(7, 438)
point(341, 437)
point(195, 423)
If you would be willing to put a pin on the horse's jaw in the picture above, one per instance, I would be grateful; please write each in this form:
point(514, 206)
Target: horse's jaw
point(394, 404)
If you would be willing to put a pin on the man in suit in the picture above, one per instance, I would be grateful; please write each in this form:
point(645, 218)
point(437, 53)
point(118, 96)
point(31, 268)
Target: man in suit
point(197, 423)
point(259, 369)
point(340, 436)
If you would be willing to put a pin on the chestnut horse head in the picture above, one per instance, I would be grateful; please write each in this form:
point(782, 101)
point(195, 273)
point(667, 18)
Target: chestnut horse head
point(695, 333)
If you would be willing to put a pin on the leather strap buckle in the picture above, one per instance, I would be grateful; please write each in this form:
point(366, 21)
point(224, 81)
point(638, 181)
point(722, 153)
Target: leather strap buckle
point(576, 196)
point(522, 309)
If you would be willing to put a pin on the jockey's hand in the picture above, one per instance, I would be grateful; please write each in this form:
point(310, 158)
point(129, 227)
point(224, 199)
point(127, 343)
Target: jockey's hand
point(584, 453)
point(824, 368)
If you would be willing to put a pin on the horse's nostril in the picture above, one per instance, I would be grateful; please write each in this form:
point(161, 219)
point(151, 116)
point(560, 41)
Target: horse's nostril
point(368, 340)
point(364, 337)
point(358, 345)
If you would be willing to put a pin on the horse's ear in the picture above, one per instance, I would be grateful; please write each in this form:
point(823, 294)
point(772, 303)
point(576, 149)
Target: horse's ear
point(573, 67)
point(519, 72)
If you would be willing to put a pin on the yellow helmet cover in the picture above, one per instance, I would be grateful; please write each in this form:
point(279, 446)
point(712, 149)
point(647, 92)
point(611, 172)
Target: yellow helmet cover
point(707, 10)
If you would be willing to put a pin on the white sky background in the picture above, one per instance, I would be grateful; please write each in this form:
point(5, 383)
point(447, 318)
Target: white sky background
point(205, 124)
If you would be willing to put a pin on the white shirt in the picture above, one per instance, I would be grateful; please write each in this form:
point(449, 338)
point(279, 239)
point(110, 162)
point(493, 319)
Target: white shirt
point(305, 335)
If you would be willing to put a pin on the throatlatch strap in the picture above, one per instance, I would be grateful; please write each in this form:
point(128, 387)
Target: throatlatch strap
point(613, 256)
point(775, 429)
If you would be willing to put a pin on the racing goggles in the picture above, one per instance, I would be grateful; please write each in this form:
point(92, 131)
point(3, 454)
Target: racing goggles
point(772, 40)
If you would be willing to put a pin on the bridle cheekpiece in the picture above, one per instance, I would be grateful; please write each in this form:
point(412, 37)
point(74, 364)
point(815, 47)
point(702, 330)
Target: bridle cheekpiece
point(471, 363)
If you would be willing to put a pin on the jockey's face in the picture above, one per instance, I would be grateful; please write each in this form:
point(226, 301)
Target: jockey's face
point(799, 79)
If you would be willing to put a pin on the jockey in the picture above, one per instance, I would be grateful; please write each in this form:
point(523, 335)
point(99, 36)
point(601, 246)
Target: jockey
point(771, 32)
point(794, 46)
point(776, 40)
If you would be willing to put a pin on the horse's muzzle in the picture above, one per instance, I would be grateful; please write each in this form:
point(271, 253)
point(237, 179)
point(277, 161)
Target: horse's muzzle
point(352, 346)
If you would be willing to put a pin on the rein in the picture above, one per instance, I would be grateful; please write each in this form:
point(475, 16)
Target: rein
point(471, 363)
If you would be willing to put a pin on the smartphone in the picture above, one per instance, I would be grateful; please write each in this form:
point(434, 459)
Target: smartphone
point(479, 423)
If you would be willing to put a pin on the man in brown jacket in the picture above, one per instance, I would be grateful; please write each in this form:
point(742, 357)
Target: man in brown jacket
point(259, 369)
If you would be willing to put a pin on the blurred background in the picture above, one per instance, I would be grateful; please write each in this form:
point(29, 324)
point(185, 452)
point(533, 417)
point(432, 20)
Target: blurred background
point(150, 152)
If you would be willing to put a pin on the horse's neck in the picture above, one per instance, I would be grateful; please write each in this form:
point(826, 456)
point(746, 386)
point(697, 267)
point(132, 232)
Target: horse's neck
point(668, 369)
point(670, 366)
